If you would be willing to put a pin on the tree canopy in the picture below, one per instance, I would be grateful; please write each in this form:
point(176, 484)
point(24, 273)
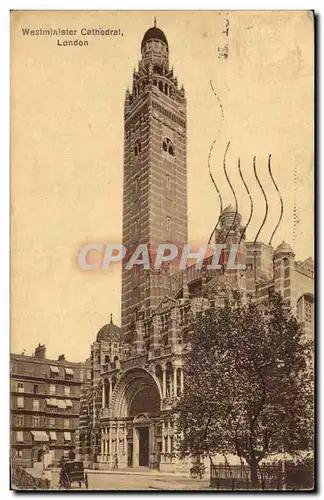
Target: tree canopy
point(248, 383)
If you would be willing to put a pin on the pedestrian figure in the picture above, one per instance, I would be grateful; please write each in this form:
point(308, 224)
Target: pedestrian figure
point(116, 461)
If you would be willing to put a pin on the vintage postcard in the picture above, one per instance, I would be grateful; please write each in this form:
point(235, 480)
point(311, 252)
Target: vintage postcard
point(162, 246)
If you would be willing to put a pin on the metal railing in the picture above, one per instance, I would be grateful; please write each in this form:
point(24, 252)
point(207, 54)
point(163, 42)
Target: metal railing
point(270, 476)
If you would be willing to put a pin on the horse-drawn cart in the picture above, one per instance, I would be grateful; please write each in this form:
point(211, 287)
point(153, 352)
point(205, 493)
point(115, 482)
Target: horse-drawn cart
point(72, 472)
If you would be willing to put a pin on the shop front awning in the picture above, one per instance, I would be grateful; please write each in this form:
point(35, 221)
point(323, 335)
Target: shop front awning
point(53, 436)
point(54, 369)
point(61, 403)
point(40, 436)
point(69, 371)
point(51, 402)
point(67, 436)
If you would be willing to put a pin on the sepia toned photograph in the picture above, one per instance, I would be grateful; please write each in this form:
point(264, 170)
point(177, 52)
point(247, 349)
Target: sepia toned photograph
point(162, 251)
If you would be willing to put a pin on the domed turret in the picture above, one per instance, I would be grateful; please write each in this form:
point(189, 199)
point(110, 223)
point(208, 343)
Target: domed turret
point(284, 248)
point(155, 51)
point(109, 333)
point(228, 215)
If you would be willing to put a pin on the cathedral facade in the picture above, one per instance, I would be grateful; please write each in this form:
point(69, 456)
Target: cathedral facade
point(137, 370)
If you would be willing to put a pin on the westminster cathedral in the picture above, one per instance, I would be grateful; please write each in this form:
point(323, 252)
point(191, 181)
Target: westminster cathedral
point(137, 369)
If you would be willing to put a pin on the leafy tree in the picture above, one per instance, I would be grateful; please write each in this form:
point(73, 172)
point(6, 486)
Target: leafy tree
point(248, 384)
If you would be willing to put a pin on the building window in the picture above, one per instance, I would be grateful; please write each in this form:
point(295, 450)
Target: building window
point(19, 453)
point(20, 402)
point(168, 182)
point(308, 311)
point(137, 147)
point(51, 422)
point(107, 360)
point(36, 421)
point(54, 371)
point(66, 423)
point(69, 373)
point(36, 389)
point(52, 389)
point(20, 437)
point(19, 420)
point(20, 387)
point(36, 404)
point(168, 224)
point(67, 390)
point(168, 147)
point(67, 436)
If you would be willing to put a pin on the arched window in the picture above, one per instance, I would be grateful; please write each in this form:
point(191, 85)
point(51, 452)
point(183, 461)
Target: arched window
point(168, 223)
point(168, 182)
point(147, 345)
point(185, 336)
point(137, 147)
point(155, 82)
point(161, 86)
point(107, 360)
point(166, 89)
point(165, 340)
point(167, 146)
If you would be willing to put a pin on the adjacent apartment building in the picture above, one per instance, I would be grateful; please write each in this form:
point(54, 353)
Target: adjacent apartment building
point(45, 404)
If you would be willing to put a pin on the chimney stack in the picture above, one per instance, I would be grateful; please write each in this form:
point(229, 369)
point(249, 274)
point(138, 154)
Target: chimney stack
point(40, 351)
point(61, 357)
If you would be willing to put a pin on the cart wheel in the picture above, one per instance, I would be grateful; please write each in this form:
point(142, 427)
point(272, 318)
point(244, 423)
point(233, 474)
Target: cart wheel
point(194, 474)
point(201, 474)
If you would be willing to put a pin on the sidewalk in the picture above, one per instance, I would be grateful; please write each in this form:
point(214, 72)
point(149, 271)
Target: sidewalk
point(139, 472)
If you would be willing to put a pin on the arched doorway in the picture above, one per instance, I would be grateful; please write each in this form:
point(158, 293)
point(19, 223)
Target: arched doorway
point(40, 454)
point(137, 400)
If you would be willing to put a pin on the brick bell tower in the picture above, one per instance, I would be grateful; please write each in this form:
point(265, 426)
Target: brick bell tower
point(155, 174)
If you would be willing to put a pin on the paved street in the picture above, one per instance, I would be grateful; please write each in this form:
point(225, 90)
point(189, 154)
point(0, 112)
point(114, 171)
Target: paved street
point(138, 481)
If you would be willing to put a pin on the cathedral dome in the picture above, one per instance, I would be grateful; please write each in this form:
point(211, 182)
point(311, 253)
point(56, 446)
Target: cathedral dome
point(109, 333)
point(154, 33)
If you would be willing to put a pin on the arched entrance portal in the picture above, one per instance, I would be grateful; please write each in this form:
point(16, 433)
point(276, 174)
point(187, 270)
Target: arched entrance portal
point(136, 409)
point(145, 407)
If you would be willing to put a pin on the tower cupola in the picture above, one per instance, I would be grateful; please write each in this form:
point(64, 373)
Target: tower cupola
point(155, 48)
